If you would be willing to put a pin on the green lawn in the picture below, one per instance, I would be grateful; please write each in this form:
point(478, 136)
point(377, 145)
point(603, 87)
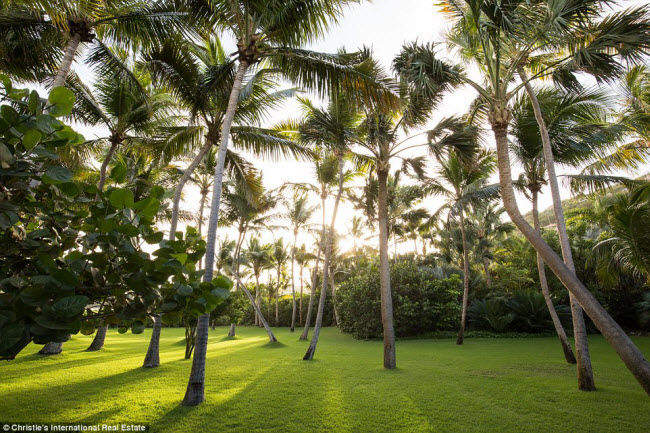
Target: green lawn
point(493, 385)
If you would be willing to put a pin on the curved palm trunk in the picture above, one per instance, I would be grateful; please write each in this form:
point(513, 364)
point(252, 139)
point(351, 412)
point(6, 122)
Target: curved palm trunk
point(257, 300)
point(152, 359)
point(335, 313)
point(195, 393)
point(272, 338)
point(559, 329)
point(98, 341)
point(613, 333)
point(314, 278)
point(293, 285)
point(104, 166)
point(66, 62)
point(51, 349)
point(463, 313)
point(178, 191)
point(488, 275)
point(390, 360)
point(302, 285)
point(277, 315)
point(326, 264)
point(585, 372)
point(201, 208)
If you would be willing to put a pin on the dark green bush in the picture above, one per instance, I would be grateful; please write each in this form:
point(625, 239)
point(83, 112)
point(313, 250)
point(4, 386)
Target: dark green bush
point(421, 302)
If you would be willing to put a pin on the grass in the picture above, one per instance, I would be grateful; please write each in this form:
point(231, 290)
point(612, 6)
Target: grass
point(486, 385)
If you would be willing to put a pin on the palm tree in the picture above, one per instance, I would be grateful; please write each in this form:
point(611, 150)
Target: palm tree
point(132, 115)
point(279, 257)
point(258, 258)
point(299, 212)
point(486, 219)
point(461, 185)
point(68, 24)
point(487, 33)
point(248, 210)
point(333, 128)
point(573, 120)
point(303, 257)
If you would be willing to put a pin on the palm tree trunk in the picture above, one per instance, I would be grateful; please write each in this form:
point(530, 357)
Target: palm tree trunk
point(613, 333)
point(98, 341)
point(104, 166)
point(272, 338)
point(199, 223)
point(585, 372)
point(256, 307)
point(335, 312)
point(293, 285)
point(302, 284)
point(559, 329)
point(195, 393)
point(390, 360)
point(326, 264)
point(277, 311)
point(68, 57)
point(305, 331)
point(153, 352)
point(486, 268)
point(231, 331)
point(187, 174)
point(52, 348)
point(463, 313)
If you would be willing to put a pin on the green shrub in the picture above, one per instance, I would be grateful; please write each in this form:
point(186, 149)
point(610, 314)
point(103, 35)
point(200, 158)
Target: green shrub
point(421, 302)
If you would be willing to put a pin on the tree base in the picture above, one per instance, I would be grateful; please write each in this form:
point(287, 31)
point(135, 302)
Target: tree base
point(310, 353)
point(231, 332)
point(51, 349)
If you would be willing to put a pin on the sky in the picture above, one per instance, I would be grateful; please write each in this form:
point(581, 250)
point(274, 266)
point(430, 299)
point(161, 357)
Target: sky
point(384, 26)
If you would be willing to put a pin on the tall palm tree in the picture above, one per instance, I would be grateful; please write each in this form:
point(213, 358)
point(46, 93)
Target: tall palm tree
point(303, 257)
point(248, 210)
point(464, 184)
point(68, 24)
point(486, 219)
point(280, 255)
point(573, 120)
point(298, 213)
point(497, 38)
point(258, 258)
point(334, 128)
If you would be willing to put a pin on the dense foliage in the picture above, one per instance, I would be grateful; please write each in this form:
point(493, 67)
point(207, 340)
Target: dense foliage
point(422, 302)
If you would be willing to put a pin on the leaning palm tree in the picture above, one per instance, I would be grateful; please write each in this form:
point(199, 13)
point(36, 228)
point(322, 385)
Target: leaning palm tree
point(248, 210)
point(258, 258)
point(298, 213)
point(577, 123)
point(463, 184)
point(279, 257)
point(303, 257)
point(333, 128)
point(274, 32)
point(497, 37)
point(67, 25)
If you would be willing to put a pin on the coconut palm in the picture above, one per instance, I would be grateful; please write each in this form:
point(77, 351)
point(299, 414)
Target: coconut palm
point(497, 38)
point(486, 220)
point(303, 257)
point(67, 25)
point(298, 213)
point(248, 210)
point(333, 128)
point(463, 184)
point(280, 255)
point(258, 258)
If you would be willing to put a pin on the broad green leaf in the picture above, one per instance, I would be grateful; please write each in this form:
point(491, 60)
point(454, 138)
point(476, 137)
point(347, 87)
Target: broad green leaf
point(63, 101)
point(56, 174)
point(121, 198)
point(222, 282)
point(137, 327)
point(118, 173)
point(70, 306)
point(181, 257)
point(184, 290)
point(220, 293)
point(154, 238)
point(31, 138)
point(10, 114)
